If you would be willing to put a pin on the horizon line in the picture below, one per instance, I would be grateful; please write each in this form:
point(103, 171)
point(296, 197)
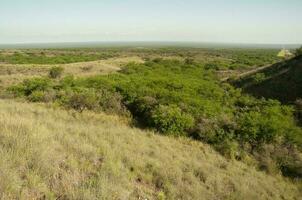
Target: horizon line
point(141, 43)
point(153, 41)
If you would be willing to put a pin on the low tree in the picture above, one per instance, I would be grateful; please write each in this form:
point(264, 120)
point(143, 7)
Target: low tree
point(171, 120)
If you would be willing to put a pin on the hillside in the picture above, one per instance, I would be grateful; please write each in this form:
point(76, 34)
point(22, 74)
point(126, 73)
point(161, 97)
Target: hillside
point(282, 81)
point(49, 153)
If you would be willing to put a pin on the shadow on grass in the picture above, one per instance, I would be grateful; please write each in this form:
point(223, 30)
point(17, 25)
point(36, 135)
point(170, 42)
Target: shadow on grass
point(281, 81)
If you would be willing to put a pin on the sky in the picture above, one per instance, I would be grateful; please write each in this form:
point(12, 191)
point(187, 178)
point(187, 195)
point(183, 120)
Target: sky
point(226, 21)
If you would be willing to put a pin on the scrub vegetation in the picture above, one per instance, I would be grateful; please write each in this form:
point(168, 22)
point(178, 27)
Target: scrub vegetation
point(173, 92)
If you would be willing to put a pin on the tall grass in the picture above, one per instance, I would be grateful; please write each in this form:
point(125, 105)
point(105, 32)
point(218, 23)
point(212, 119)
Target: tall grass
point(49, 153)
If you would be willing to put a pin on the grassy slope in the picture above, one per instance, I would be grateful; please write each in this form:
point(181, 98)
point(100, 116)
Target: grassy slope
point(282, 81)
point(52, 153)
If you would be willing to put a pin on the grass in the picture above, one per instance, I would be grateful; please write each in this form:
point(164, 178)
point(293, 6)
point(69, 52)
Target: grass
point(48, 153)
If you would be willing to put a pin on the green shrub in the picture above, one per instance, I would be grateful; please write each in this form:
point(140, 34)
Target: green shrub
point(82, 99)
point(37, 96)
point(35, 84)
point(157, 60)
point(87, 68)
point(259, 77)
point(266, 123)
point(42, 96)
point(229, 148)
point(171, 120)
point(214, 66)
point(16, 91)
point(112, 102)
point(212, 131)
point(189, 61)
point(56, 72)
point(277, 157)
point(161, 196)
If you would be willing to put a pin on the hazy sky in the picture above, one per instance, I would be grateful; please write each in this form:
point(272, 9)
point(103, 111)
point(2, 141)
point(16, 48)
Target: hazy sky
point(247, 21)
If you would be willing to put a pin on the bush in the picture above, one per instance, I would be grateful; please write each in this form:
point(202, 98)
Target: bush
point(157, 60)
point(259, 77)
point(213, 131)
point(189, 61)
point(111, 102)
point(42, 96)
point(35, 84)
point(16, 91)
point(266, 123)
point(229, 148)
point(87, 68)
point(171, 120)
point(81, 100)
point(37, 96)
point(56, 72)
point(278, 157)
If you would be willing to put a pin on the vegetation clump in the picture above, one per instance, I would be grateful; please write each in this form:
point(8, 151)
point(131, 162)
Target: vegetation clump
point(171, 120)
point(56, 72)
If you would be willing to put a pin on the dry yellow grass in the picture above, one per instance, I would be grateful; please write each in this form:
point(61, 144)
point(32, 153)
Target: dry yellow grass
point(99, 67)
point(49, 153)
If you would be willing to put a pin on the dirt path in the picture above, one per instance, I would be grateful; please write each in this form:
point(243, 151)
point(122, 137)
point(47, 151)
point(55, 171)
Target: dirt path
point(247, 73)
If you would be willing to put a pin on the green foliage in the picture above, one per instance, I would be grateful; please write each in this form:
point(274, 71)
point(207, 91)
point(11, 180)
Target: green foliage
point(259, 77)
point(56, 72)
point(35, 84)
point(264, 124)
point(171, 120)
point(189, 61)
point(229, 148)
point(69, 95)
point(161, 196)
point(81, 99)
point(37, 96)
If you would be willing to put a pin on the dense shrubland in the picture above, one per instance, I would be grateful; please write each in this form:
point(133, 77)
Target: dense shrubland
point(29, 57)
point(218, 59)
point(184, 99)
